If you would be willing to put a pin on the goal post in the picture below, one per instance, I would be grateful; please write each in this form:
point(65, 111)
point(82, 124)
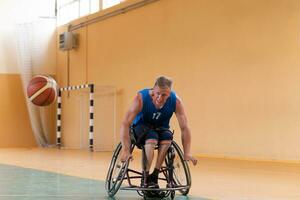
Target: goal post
point(91, 113)
point(86, 118)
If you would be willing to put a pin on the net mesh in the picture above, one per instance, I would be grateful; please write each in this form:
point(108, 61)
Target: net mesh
point(32, 48)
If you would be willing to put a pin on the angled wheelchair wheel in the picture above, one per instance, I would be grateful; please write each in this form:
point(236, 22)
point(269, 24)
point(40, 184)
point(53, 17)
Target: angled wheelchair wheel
point(181, 172)
point(116, 172)
point(172, 194)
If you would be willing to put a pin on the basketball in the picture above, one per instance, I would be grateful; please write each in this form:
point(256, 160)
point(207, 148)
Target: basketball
point(42, 90)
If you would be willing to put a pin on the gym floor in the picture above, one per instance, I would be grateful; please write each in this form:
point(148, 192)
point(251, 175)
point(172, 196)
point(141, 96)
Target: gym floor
point(78, 174)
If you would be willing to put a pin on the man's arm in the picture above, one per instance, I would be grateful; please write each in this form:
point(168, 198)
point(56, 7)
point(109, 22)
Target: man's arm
point(133, 110)
point(185, 131)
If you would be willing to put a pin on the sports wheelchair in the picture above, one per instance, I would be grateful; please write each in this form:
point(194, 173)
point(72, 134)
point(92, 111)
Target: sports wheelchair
point(174, 173)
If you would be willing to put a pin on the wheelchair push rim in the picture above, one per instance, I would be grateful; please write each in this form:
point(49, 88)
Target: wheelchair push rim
point(116, 172)
point(181, 177)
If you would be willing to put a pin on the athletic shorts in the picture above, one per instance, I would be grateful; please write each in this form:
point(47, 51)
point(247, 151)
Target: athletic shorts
point(143, 133)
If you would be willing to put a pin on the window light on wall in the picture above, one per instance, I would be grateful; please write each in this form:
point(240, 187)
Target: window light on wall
point(68, 10)
point(109, 3)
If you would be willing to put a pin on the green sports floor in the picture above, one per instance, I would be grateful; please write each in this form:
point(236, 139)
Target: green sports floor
point(30, 184)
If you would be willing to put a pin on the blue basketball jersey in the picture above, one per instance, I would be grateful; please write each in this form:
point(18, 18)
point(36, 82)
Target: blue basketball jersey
point(153, 117)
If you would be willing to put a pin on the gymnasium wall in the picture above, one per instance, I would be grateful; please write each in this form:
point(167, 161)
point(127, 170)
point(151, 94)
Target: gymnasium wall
point(234, 63)
point(14, 119)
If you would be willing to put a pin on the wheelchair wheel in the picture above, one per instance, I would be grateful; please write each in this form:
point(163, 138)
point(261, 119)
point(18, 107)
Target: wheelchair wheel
point(116, 172)
point(181, 171)
point(172, 194)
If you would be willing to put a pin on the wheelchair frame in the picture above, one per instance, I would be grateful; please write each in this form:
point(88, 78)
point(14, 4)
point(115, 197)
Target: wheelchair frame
point(119, 171)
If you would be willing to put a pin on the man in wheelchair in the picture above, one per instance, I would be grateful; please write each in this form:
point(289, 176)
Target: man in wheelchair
point(149, 115)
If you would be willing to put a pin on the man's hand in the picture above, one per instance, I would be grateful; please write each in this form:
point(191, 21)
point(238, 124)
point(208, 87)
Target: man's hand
point(190, 158)
point(125, 155)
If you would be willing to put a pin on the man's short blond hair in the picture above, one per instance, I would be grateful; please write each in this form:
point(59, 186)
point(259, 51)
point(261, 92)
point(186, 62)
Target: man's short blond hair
point(163, 82)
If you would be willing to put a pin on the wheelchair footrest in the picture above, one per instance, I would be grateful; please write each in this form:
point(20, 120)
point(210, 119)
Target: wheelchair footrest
point(135, 188)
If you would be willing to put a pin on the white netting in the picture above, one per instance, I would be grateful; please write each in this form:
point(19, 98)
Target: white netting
point(31, 49)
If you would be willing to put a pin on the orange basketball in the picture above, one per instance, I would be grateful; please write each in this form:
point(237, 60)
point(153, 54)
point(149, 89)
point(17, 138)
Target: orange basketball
point(42, 90)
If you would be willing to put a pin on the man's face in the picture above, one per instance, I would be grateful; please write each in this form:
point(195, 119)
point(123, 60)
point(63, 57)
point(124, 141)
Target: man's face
point(161, 95)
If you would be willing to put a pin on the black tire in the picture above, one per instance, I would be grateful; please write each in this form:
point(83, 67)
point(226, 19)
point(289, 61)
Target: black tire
point(181, 171)
point(172, 194)
point(116, 172)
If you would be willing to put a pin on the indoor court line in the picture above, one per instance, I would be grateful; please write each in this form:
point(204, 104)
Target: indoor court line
point(212, 178)
point(23, 183)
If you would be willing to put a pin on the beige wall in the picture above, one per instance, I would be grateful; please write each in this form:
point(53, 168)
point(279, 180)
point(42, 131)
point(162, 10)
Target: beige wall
point(14, 122)
point(235, 64)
